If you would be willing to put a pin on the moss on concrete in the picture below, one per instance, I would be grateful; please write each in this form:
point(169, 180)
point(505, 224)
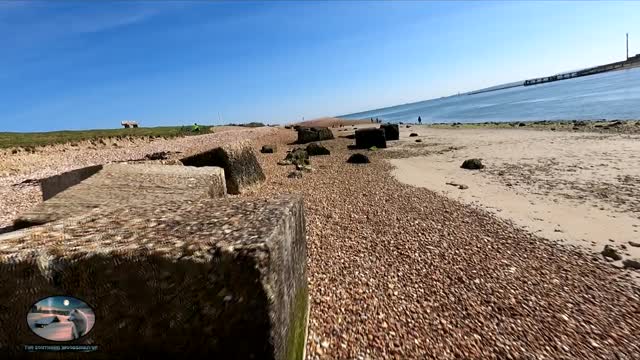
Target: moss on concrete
point(297, 336)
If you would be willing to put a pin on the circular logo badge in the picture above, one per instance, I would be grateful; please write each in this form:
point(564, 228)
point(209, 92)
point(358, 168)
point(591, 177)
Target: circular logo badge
point(61, 318)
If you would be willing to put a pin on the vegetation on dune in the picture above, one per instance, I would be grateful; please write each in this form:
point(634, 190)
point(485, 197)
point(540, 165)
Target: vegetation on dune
point(31, 140)
point(251, 124)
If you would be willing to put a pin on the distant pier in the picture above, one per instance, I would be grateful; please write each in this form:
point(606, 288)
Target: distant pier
point(631, 62)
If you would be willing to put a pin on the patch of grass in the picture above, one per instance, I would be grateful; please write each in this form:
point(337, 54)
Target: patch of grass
point(31, 140)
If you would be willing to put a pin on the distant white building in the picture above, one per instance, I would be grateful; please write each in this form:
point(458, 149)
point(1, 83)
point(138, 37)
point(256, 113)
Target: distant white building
point(129, 124)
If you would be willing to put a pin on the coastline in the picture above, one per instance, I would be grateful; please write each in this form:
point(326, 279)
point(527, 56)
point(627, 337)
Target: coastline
point(402, 272)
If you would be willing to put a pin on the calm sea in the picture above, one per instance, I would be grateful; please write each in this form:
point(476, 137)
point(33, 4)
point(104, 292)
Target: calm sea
point(612, 95)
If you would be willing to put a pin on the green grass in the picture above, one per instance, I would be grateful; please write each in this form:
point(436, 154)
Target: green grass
point(31, 140)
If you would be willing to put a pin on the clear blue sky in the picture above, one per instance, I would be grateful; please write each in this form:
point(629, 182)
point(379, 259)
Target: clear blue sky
point(75, 65)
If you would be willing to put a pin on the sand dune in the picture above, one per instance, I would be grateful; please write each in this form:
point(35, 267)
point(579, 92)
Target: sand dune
point(331, 121)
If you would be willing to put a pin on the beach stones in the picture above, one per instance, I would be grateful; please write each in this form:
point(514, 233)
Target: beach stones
point(472, 164)
point(268, 149)
point(611, 253)
point(369, 137)
point(222, 278)
point(241, 167)
point(358, 159)
point(295, 175)
point(413, 135)
point(311, 134)
point(315, 149)
point(391, 131)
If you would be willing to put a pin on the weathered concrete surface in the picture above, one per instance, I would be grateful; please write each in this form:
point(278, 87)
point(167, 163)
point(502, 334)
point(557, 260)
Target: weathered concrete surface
point(239, 161)
point(368, 137)
point(216, 278)
point(391, 131)
point(123, 184)
point(311, 134)
point(55, 184)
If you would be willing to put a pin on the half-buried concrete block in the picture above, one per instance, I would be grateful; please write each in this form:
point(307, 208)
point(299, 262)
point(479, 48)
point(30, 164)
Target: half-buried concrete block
point(214, 278)
point(369, 137)
point(239, 161)
point(55, 184)
point(124, 184)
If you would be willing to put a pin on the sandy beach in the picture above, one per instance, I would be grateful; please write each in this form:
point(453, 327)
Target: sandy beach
point(575, 188)
point(403, 266)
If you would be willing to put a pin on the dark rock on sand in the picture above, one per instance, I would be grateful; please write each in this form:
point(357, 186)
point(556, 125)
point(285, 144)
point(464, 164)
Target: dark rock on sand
point(408, 126)
point(315, 149)
point(472, 164)
point(358, 159)
point(610, 252)
point(413, 135)
point(311, 134)
point(268, 149)
point(298, 157)
point(631, 263)
point(418, 140)
point(366, 138)
point(634, 244)
point(161, 155)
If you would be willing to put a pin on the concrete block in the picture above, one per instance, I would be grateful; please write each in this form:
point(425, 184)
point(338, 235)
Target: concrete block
point(311, 134)
point(368, 137)
point(128, 184)
point(239, 161)
point(391, 131)
point(214, 278)
point(55, 184)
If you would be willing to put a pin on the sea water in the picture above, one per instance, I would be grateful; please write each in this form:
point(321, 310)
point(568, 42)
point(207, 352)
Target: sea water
point(611, 95)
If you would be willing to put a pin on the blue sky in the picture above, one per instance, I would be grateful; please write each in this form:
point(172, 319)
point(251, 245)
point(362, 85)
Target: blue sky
point(79, 65)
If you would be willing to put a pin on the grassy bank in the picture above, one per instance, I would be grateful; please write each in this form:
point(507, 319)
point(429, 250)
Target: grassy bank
point(35, 139)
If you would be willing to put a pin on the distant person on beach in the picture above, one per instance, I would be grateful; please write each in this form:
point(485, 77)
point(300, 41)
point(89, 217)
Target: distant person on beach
point(372, 120)
point(419, 120)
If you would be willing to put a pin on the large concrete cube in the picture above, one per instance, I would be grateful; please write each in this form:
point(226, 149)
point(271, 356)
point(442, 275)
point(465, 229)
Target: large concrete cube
point(391, 131)
point(369, 137)
point(239, 161)
point(53, 185)
point(125, 184)
point(312, 134)
point(214, 278)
